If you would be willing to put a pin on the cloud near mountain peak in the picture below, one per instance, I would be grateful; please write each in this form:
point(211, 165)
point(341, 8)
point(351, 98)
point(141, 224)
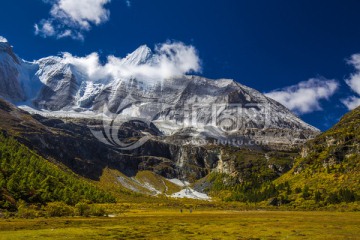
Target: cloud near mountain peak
point(168, 60)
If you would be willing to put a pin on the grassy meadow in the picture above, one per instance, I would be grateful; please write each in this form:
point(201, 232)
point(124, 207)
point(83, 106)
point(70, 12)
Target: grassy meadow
point(200, 224)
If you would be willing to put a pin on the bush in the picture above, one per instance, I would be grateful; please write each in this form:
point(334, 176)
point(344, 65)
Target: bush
point(25, 211)
point(308, 205)
point(6, 214)
point(82, 209)
point(59, 209)
point(97, 211)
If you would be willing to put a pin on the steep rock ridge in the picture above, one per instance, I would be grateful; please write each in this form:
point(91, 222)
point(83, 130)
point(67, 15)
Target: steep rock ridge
point(60, 85)
point(9, 74)
point(340, 145)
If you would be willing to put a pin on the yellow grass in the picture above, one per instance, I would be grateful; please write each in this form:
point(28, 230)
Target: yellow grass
point(200, 224)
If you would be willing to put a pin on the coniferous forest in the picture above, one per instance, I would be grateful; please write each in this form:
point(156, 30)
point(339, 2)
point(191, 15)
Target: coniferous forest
point(26, 176)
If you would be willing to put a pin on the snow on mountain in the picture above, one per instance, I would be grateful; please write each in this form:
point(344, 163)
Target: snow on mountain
point(140, 56)
point(181, 105)
point(179, 182)
point(3, 40)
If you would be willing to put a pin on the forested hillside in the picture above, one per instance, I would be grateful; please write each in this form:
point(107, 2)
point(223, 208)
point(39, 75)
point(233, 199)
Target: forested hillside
point(24, 175)
point(326, 172)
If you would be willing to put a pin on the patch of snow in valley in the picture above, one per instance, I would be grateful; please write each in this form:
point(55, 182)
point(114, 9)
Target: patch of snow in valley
point(190, 193)
point(137, 186)
point(179, 182)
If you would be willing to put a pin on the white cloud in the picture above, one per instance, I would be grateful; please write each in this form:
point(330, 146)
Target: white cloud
point(70, 18)
point(168, 60)
point(128, 3)
point(351, 102)
point(354, 83)
point(305, 97)
point(2, 39)
point(45, 29)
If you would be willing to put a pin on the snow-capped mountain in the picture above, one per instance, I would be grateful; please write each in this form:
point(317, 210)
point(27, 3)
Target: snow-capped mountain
point(185, 105)
point(140, 56)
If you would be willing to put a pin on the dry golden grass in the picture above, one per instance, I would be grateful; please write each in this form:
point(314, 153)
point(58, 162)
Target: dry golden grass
point(171, 224)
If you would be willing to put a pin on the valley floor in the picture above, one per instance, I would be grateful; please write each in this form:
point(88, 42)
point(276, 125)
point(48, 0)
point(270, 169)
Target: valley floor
point(204, 224)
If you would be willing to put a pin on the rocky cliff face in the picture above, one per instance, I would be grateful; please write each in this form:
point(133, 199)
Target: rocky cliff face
point(10, 87)
point(340, 145)
point(329, 164)
point(72, 144)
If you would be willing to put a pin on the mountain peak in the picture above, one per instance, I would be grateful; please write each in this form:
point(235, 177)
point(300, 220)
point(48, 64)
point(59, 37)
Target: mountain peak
point(3, 40)
point(140, 56)
point(7, 49)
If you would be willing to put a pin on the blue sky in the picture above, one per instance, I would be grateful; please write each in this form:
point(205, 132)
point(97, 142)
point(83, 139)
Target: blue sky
point(302, 52)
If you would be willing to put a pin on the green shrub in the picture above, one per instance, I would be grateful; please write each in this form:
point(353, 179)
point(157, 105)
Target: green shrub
point(25, 211)
point(97, 211)
point(82, 209)
point(58, 209)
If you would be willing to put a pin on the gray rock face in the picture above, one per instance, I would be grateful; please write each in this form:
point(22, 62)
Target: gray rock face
point(61, 85)
point(186, 109)
point(9, 74)
point(71, 142)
